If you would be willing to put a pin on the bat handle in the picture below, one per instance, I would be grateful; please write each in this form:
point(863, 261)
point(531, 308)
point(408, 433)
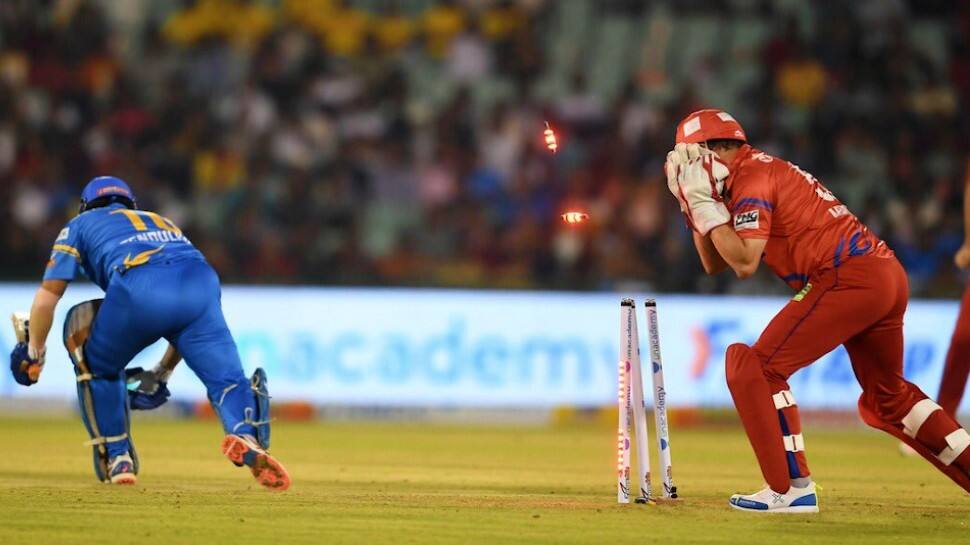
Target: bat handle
point(21, 326)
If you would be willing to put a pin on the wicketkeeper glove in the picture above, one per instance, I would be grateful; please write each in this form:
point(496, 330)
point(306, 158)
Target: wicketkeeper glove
point(676, 158)
point(147, 390)
point(700, 182)
point(26, 363)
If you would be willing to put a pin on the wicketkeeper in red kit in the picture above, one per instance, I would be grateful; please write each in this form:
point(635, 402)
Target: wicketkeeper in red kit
point(746, 207)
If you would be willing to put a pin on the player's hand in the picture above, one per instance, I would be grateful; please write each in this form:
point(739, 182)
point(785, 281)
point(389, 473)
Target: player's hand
point(962, 257)
point(698, 182)
point(680, 156)
point(26, 363)
point(676, 159)
point(146, 389)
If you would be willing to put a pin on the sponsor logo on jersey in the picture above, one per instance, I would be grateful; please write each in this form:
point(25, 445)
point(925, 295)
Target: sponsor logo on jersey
point(63, 234)
point(839, 210)
point(746, 220)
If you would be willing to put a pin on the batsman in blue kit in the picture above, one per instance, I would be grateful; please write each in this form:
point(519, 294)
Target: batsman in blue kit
point(157, 286)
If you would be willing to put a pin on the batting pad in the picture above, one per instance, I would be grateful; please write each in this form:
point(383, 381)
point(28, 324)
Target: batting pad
point(262, 418)
point(77, 330)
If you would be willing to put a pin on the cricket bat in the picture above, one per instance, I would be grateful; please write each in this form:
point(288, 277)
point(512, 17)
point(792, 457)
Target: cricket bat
point(21, 329)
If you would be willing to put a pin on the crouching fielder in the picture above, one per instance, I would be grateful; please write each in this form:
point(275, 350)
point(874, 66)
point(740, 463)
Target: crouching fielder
point(157, 285)
point(746, 206)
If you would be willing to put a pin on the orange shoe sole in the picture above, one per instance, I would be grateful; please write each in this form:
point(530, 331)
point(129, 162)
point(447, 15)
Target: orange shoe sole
point(266, 469)
point(124, 478)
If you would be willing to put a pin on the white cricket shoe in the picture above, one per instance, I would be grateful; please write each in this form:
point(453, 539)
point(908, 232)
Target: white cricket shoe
point(796, 500)
point(122, 470)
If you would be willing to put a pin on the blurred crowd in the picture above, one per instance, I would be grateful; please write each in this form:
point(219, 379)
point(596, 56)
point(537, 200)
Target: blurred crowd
point(400, 142)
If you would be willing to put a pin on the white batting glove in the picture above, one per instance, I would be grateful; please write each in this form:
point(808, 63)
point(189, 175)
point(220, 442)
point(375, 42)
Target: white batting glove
point(700, 182)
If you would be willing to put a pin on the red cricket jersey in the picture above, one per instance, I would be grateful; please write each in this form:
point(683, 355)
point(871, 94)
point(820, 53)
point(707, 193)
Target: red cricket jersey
point(807, 228)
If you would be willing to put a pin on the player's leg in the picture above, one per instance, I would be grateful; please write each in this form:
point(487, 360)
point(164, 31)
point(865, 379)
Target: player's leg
point(210, 351)
point(835, 305)
point(114, 339)
point(757, 377)
point(769, 414)
point(957, 366)
point(895, 405)
point(754, 400)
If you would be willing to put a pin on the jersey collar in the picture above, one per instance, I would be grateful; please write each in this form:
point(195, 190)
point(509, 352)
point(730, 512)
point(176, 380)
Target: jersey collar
point(745, 152)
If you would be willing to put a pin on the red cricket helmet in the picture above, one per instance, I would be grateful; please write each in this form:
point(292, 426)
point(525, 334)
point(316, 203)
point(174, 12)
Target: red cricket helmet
point(709, 124)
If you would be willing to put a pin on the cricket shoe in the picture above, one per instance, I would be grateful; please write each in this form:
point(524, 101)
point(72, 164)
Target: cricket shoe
point(796, 500)
point(243, 450)
point(122, 470)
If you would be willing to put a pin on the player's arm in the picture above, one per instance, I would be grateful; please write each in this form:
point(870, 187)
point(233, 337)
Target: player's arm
point(150, 381)
point(149, 389)
point(696, 184)
point(27, 358)
point(711, 260)
point(695, 178)
point(962, 258)
point(167, 364)
point(741, 254)
point(42, 314)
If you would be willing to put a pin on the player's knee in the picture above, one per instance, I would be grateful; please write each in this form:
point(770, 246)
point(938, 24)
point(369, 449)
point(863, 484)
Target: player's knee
point(742, 366)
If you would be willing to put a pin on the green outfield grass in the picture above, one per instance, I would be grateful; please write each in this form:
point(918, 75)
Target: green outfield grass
point(429, 484)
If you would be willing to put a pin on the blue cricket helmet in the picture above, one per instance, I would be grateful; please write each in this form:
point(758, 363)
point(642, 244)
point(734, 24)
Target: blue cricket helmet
point(106, 190)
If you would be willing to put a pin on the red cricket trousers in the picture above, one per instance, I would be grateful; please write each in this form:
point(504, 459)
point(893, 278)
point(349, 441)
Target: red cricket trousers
point(957, 366)
point(859, 304)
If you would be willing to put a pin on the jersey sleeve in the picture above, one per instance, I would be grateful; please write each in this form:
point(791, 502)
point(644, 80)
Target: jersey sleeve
point(754, 203)
point(65, 261)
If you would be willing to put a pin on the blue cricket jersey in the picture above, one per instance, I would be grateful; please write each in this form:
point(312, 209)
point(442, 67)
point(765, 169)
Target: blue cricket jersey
point(105, 242)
